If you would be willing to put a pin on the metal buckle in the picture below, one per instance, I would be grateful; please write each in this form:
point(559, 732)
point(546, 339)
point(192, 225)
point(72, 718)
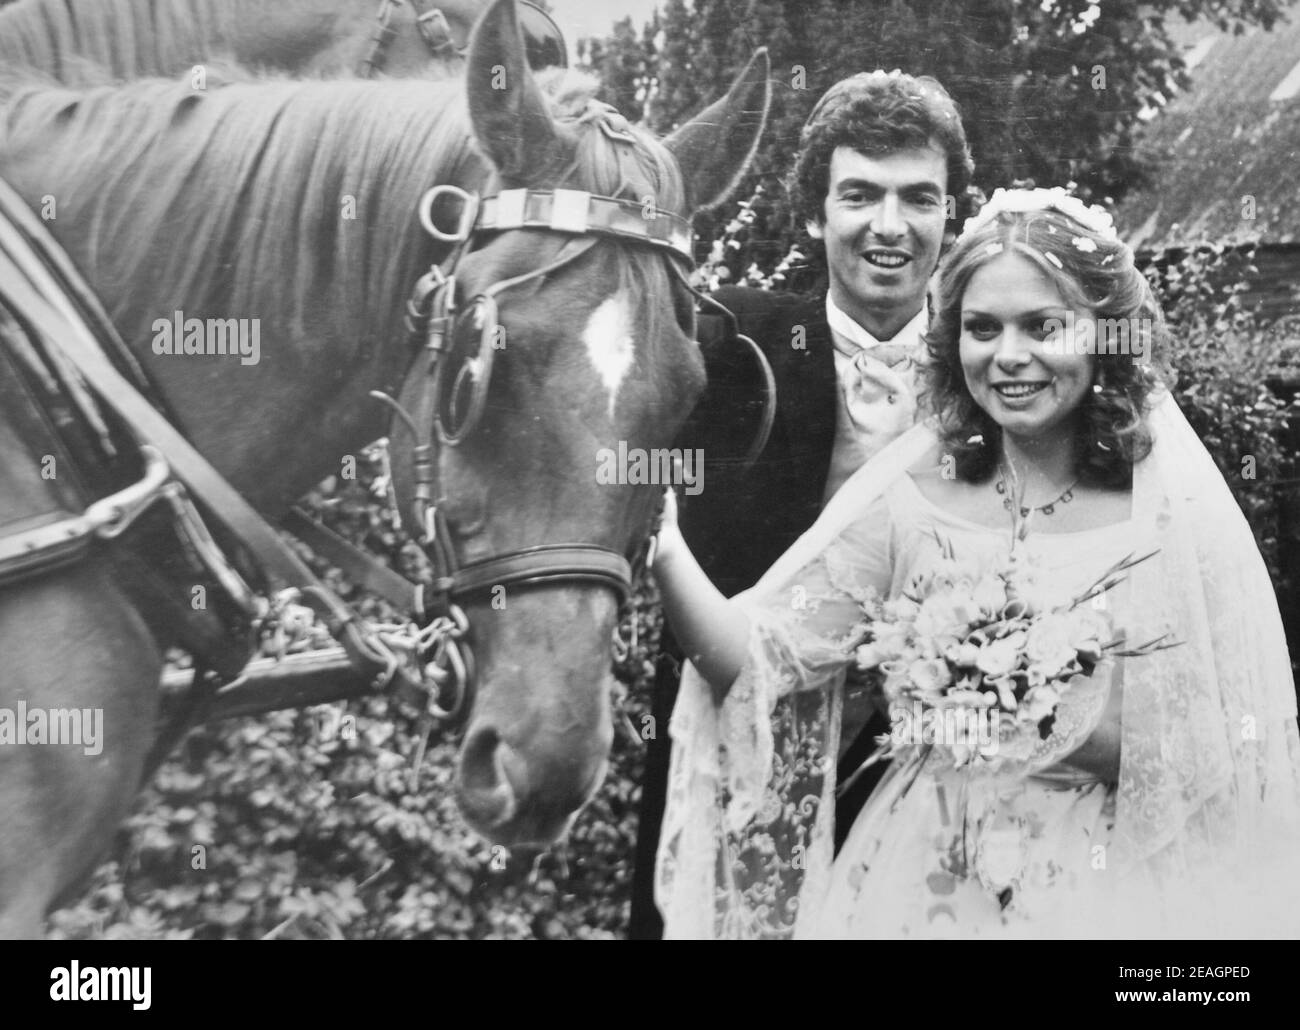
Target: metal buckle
point(436, 33)
point(111, 516)
point(468, 213)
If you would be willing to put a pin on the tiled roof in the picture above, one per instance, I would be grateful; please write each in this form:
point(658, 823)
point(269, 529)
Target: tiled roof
point(1224, 149)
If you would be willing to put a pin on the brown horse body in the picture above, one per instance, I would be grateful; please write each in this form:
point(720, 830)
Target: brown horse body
point(81, 41)
point(292, 203)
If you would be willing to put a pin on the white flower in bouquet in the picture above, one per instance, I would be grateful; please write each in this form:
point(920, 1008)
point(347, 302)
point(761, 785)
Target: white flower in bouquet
point(999, 658)
point(964, 642)
point(962, 653)
point(929, 674)
point(1048, 643)
point(990, 594)
point(1041, 703)
point(940, 614)
point(1089, 629)
point(900, 609)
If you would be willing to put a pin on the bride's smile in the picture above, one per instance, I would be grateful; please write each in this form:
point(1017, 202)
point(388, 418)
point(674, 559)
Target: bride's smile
point(1009, 312)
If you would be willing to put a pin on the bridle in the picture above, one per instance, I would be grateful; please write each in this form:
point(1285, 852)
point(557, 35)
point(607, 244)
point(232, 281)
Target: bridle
point(543, 40)
point(430, 663)
point(458, 339)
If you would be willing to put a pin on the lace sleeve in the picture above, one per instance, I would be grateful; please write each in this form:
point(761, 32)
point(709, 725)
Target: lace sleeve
point(747, 835)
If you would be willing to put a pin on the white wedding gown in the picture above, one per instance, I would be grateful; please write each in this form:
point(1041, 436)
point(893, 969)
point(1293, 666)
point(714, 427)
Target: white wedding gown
point(939, 852)
point(1198, 838)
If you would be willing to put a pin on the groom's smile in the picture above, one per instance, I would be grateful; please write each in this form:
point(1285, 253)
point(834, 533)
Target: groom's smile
point(883, 257)
point(883, 230)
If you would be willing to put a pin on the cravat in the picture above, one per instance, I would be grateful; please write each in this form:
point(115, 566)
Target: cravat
point(873, 382)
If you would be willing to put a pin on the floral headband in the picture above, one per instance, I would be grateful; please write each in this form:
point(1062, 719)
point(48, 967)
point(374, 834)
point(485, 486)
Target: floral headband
point(1095, 219)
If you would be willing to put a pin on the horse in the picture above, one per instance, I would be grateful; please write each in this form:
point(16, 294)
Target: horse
point(81, 41)
point(291, 203)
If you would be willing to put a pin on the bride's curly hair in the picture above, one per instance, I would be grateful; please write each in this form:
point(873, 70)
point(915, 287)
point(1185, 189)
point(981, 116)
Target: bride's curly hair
point(1093, 272)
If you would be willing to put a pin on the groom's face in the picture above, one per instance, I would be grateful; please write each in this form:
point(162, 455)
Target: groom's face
point(883, 226)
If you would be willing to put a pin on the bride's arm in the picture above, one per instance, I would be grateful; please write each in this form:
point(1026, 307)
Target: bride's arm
point(712, 631)
point(1099, 754)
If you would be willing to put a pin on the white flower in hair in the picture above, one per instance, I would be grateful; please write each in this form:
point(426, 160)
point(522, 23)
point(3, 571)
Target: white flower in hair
point(1097, 219)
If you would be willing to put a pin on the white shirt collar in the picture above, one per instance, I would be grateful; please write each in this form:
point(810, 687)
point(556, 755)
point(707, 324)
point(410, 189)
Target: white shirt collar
point(854, 333)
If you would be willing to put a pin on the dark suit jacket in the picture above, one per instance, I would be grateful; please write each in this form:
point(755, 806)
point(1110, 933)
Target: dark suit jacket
point(742, 521)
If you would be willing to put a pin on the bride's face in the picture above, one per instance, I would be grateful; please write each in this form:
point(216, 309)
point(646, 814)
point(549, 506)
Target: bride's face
point(1015, 366)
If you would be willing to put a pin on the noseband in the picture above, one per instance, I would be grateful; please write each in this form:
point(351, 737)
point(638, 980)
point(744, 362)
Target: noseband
point(458, 340)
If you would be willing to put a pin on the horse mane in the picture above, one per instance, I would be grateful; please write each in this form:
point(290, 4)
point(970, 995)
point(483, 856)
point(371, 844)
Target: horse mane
point(69, 39)
point(245, 163)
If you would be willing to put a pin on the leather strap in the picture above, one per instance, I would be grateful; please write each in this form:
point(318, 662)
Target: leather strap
point(30, 286)
point(360, 567)
point(580, 213)
point(379, 42)
point(546, 563)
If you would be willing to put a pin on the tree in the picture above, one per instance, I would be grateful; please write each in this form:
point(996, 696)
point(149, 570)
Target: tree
point(623, 63)
point(1049, 91)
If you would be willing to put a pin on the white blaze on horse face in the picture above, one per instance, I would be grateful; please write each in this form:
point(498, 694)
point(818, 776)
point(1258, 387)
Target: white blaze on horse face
point(610, 344)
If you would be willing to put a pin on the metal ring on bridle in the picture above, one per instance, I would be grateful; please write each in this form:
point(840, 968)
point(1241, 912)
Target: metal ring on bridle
point(457, 672)
point(468, 213)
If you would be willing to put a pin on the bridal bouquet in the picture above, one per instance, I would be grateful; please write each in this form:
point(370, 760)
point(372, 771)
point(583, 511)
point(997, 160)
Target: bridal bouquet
point(967, 661)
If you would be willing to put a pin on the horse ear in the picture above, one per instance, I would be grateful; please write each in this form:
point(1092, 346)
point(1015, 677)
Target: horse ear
point(715, 147)
point(511, 121)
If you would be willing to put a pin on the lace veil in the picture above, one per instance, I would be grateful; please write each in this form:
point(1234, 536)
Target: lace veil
point(1208, 799)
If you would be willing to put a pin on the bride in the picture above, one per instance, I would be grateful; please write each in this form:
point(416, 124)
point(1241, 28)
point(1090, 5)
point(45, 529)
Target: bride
point(1165, 801)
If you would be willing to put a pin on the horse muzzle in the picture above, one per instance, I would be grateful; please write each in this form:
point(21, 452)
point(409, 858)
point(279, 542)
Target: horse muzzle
point(511, 799)
point(538, 737)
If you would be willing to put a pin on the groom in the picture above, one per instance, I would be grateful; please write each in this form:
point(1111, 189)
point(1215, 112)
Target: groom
point(880, 181)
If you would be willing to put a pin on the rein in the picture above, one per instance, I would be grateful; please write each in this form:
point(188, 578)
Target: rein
point(35, 275)
point(435, 317)
point(432, 662)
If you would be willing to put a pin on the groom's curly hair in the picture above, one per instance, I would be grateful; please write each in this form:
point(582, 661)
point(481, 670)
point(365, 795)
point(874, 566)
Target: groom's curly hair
point(1092, 272)
point(877, 114)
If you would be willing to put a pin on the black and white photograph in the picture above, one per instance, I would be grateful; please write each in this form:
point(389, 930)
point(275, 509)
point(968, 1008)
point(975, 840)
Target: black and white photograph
point(651, 470)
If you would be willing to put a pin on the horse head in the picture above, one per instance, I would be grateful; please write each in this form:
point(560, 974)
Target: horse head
point(564, 353)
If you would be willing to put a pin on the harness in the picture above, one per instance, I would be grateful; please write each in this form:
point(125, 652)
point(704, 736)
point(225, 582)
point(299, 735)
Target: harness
point(431, 662)
point(448, 395)
point(40, 282)
point(543, 42)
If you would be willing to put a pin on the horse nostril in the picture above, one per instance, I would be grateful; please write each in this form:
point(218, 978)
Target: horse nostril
point(485, 787)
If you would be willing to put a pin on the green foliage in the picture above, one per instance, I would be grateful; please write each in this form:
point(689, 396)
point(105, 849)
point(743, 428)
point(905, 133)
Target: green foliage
point(1228, 374)
point(1049, 92)
point(624, 64)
